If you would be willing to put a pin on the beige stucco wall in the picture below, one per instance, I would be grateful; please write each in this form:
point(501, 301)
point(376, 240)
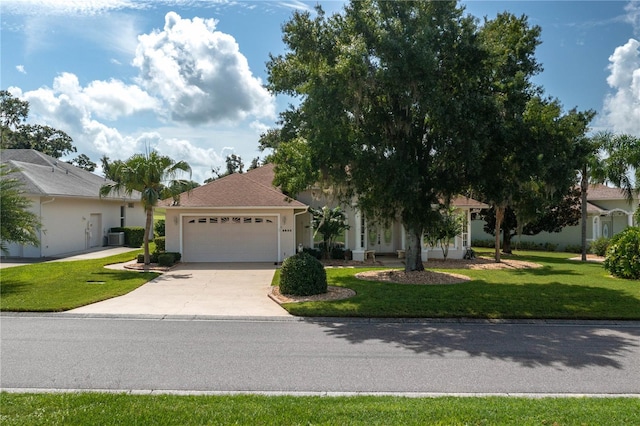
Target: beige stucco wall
point(286, 226)
point(66, 224)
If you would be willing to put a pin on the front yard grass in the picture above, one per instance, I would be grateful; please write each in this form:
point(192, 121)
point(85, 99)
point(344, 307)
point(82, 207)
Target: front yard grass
point(60, 286)
point(560, 289)
point(119, 409)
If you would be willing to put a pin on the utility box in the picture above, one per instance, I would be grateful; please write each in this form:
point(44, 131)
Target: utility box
point(116, 239)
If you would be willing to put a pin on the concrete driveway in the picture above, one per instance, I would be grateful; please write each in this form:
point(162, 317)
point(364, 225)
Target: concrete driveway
point(199, 289)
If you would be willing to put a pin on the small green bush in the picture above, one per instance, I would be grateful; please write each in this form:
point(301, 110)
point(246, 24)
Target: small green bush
point(623, 255)
point(599, 246)
point(140, 258)
point(574, 248)
point(302, 275)
point(483, 243)
point(337, 252)
point(159, 228)
point(313, 252)
point(160, 244)
point(166, 259)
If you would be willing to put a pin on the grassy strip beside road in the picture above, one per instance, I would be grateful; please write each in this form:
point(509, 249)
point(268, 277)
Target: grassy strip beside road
point(59, 286)
point(561, 289)
point(119, 409)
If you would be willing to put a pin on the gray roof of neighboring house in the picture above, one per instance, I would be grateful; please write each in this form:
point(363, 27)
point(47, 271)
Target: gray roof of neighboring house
point(43, 175)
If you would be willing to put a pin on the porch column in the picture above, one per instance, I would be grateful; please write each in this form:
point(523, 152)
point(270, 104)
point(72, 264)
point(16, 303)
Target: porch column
point(358, 250)
point(630, 219)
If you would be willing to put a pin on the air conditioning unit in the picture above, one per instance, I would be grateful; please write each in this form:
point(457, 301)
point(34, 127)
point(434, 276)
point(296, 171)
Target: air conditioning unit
point(116, 238)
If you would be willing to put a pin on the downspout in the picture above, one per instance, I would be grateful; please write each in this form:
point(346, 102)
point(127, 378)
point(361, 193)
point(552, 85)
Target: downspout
point(42, 203)
point(295, 228)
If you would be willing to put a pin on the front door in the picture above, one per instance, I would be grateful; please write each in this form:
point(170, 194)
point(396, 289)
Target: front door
point(94, 236)
point(380, 239)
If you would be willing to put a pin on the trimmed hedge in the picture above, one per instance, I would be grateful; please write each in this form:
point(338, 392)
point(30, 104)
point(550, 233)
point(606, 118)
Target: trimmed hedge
point(160, 244)
point(133, 235)
point(302, 275)
point(159, 228)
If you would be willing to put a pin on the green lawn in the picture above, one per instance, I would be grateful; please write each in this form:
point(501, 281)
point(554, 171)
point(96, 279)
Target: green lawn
point(60, 286)
point(121, 409)
point(561, 289)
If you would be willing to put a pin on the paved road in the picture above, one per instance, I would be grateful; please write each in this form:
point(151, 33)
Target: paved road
point(293, 355)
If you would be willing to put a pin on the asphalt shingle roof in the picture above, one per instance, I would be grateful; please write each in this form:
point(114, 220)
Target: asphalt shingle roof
point(43, 175)
point(251, 189)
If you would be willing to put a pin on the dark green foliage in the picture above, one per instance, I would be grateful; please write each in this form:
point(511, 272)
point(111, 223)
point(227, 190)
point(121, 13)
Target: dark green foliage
point(159, 228)
point(160, 244)
point(623, 255)
point(313, 252)
point(599, 246)
point(166, 259)
point(302, 275)
point(133, 235)
point(337, 252)
point(140, 258)
point(573, 248)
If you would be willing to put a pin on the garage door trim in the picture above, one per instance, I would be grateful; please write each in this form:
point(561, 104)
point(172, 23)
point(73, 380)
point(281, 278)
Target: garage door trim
point(232, 215)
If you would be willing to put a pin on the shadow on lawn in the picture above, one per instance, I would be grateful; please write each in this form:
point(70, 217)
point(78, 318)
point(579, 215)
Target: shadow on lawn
point(530, 345)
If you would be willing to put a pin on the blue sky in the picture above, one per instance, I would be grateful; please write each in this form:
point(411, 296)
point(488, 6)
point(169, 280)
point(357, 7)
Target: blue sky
point(115, 74)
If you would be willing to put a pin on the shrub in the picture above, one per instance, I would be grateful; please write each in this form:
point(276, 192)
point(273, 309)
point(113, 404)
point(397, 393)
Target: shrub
point(158, 228)
point(133, 235)
point(313, 252)
point(160, 244)
point(574, 248)
point(599, 246)
point(337, 252)
point(140, 258)
point(302, 275)
point(166, 259)
point(483, 243)
point(623, 255)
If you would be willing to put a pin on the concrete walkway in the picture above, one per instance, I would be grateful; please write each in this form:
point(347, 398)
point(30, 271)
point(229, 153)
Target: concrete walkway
point(200, 289)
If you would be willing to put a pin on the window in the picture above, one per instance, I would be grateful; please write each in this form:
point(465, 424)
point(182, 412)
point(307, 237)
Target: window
point(246, 220)
point(202, 220)
point(122, 216)
point(213, 220)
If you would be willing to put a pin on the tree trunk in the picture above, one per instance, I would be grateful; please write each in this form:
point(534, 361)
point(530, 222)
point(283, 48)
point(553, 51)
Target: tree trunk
point(584, 187)
point(147, 233)
point(499, 216)
point(506, 243)
point(413, 255)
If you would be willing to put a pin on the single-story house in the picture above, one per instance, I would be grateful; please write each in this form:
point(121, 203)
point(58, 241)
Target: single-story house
point(67, 201)
point(242, 217)
point(608, 212)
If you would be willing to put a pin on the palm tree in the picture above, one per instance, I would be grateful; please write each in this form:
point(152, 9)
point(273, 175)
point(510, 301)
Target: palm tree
point(592, 171)
point(614, 159)
point(146, 174)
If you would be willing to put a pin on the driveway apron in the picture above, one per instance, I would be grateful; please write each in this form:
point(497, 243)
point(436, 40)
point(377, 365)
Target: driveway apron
point(219, 289)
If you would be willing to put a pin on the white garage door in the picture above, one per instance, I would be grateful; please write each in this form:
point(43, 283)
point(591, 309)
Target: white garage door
point(230, 239)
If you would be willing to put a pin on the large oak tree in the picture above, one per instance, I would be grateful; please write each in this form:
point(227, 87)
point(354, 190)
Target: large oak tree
point(390, 99)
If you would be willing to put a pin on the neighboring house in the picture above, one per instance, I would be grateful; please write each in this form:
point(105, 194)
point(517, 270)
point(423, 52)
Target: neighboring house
point(67, 202)
point(608, 212)
point(244, 218)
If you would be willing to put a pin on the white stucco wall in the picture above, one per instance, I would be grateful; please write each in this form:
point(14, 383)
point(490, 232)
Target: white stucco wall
point(66, 224)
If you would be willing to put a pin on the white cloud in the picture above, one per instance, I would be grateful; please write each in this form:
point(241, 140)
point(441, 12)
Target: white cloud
point(632, 16)
point(20, 69)
point(200, 73)
point(622, 108)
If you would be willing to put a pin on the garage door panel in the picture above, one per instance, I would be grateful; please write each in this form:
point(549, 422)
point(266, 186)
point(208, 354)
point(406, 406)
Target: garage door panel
point(230, 239)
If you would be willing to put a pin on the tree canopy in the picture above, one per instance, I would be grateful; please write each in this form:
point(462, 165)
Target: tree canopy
point(14, 134)
point(404, 105)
